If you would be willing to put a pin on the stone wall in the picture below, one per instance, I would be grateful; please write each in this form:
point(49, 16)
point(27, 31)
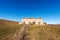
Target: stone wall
point(31, 20)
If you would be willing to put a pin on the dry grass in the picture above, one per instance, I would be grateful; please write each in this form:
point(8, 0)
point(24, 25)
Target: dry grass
point(35, 32)
point(44, 33)
point(8, 29)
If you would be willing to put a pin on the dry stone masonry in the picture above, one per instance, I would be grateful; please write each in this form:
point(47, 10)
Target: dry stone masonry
point(37, 21)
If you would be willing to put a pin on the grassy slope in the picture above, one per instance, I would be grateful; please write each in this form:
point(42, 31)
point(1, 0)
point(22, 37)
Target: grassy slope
point(44, 33)
point(8, 28)
point(50, 32)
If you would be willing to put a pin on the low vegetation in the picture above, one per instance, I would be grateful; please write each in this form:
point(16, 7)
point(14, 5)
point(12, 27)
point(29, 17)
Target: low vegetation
point(8, 29)
point(35, 32)
point(44, 32)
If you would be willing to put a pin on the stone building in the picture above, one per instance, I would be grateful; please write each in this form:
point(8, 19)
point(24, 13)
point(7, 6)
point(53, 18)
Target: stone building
point(37, 21)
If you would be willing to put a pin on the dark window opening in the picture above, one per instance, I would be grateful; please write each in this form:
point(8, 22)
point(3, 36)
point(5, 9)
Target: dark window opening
point(34, 22)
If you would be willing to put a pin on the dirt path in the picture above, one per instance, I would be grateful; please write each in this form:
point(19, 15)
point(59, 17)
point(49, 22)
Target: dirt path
point(22, 34)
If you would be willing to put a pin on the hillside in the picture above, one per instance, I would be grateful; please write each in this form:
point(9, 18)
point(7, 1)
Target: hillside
point(44, 32)
point(33, 32)
point(8, 29)
point(7, 22)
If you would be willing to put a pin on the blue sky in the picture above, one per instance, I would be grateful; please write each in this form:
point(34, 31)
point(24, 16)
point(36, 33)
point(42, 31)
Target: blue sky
point(48, 10)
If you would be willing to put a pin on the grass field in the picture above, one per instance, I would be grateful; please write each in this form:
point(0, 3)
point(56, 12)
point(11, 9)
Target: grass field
point(44, 32)
point(35, 32)
point(8, 29)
